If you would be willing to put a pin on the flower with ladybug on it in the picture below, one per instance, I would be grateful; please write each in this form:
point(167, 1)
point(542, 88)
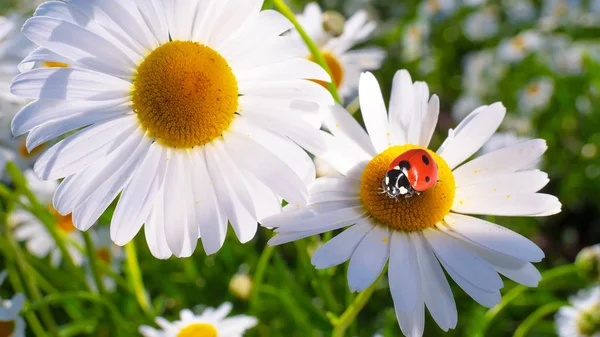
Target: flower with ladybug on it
point(434, 227)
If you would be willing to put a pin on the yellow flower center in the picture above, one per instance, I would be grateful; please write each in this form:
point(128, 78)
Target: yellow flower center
point(63, 222)
point(104, 254)
point(198, 330)
point(519, 42)
point(533, 89)
point(24, 153)
point(185, 94)
point(588, 322)
point(337, 71)
point(7, 328)
point(412, 214)
point(52, 64)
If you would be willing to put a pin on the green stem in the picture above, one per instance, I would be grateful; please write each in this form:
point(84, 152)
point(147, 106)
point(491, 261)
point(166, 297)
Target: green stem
point(516, 292)
point(314, 49)
point(30, 283)
point(91, 252)
point(343, 322)
point(135, 277)
point(537, 315)
point(353, 107)
point(77, 295)
point(259, 275)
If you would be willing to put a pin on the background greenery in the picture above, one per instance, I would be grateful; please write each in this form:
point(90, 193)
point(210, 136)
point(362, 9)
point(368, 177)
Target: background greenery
point(290, 297)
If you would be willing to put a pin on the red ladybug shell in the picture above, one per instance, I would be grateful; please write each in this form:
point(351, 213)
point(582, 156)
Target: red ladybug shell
point(422, 170)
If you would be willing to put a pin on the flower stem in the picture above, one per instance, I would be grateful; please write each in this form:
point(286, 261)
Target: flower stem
point(540, 313)
point(547, 277)
point(314, 49)
point(343, 322)
point(259, 275)
point(135, 277)
point(91, 252)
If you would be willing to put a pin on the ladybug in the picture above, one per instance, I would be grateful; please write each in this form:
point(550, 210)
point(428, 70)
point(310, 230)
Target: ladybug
point(412, 172)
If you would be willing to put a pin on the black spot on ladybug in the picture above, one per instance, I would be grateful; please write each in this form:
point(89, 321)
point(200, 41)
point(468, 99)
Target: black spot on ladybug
point(404, 165)
point(427, 179)
point(425, 160)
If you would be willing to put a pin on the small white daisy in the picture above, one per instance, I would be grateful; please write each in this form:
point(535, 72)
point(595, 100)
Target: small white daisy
point(195, 112)
point(536, 94)
point(420, 234)
point(414, 39)
point(438, 7)
point(210, 323)
point(520, 46)
point(335, 44)
point(482, 72)
point(582, 317)
point(520, 11)
point(11, 324)
point(481, 25)
point(108, 253)
point(30, 229)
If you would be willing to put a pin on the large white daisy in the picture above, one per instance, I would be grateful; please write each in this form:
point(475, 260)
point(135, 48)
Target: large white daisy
point(422, 233)
point(28, 227)
point(335, 43)
point(11, 324)
point(193, 111)
point(210, 323)
point(582, 317)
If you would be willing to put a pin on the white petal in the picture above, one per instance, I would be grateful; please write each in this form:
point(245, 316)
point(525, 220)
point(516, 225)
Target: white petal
point(374, 112)
point(494, 237)
point(212, 220)
point(343, 125)
point(285, 237)
point(505, 160)
point(403, 274)
point(265, 166)
point(103, 188)
point(283, 71)
point(235, 18)
point(152, 12)
point(421, 96)
point(136, 201)
point(266, 202)
point(231, 191)
point(470, 135)
point(429, 121)
point(412, 323)
point(84, 148)
point(526, 204)
point(298, 89)
point(506, 183)
point(42, 54)
point(155, 230)
point(69, 84)
point(314, 216)
point(436, 290)
point(181, 227)
point(402, 108)
point(181, 17)
point(343, 156)
point(486, 298)
point(369, 258)
point(44, 111)
point(339, 249)
point(462, 261)
point(78, 44)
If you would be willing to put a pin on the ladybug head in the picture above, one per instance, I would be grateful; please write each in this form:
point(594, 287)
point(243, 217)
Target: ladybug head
point(395, 183)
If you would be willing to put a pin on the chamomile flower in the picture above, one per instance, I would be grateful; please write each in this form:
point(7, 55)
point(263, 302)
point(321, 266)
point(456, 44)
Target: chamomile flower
point(194, 112)
point(414, 39)
point(11, 324)
point(335, 38)
point(420, 234)
point(108, 253)
point(520, 46)
point(482, 24)
point(536, 94)
point(29, 229)
point(211, 323)
point(582, 317)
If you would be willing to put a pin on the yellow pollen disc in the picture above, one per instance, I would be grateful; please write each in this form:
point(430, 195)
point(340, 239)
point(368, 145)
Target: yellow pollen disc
point(198, 330)
point(104, 254)
point(337, 71)
point(63, 222)
point(52, 64)
point(412, 214)
point(185, 94)
point(7, 328)
point(24, 153)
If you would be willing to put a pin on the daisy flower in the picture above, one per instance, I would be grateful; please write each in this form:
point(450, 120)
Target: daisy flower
point(107, 252)
point(520, 46)
point(211, 323)
point(414, 39)
point(420, 234)
point(11, 324)
point(335, 39)
point(582, 317)
point(29, 229)
point(482, 24)
point(195, 112)
point(536, 94)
